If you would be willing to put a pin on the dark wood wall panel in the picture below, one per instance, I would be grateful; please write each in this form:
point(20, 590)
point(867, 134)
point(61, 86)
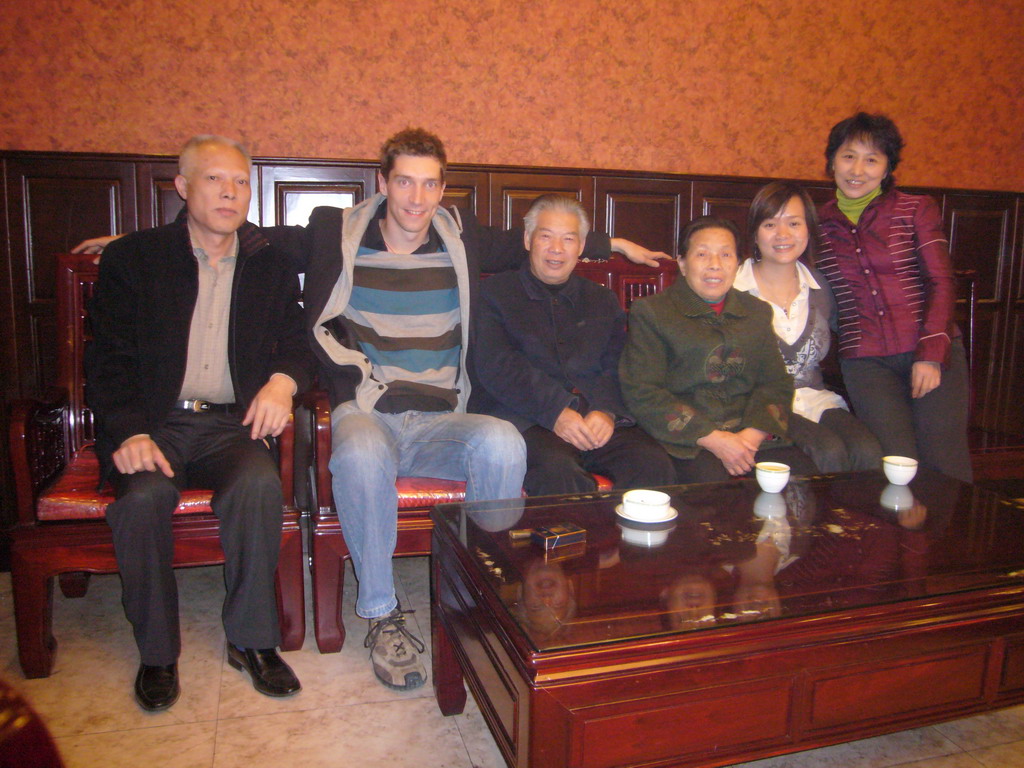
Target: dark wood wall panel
point(1005, 409)
point(470, 192)
point(8, 340)
point(986, 363)
point(289, 192)
point(643, 210)
point(1007, 404)
point(512, 194)
point(726, 199)
point(53, 205)
point(8, 374)
point(159, 203)
point(1017, 249)
point(980, 231)
point(58, 214)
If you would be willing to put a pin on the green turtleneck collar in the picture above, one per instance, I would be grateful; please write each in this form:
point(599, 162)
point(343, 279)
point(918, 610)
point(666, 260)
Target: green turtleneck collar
point(854, 207)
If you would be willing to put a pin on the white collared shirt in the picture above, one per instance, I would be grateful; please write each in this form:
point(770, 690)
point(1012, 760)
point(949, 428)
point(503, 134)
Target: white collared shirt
point(788, 324)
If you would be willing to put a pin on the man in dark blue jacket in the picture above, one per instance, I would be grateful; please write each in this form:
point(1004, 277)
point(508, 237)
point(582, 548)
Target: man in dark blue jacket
point(198, 349)
point(546, 357)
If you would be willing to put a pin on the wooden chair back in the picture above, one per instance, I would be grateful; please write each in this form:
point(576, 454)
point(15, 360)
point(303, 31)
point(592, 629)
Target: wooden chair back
point(76, 282)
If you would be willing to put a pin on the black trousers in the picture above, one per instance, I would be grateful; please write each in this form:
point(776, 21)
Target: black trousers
point(839, 442)
point(932, 428)
point(214, 451)
point(631, 458)
point(705, 467)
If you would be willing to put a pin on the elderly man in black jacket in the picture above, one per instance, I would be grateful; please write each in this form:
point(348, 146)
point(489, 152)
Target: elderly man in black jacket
point(198, 349)
point(546, 356)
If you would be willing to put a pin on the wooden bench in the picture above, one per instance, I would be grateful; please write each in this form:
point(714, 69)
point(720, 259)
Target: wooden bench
point(61, 531)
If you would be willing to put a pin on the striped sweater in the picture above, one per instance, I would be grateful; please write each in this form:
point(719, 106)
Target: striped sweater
point(404, 316)
point(401, 323)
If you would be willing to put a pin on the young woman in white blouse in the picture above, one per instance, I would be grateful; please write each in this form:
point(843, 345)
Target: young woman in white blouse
point(782, 228)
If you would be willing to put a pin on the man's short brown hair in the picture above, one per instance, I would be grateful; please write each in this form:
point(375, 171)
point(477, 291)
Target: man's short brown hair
point(412, 141)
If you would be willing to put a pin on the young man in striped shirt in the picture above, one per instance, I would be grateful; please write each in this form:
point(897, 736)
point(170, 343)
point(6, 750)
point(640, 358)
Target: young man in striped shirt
point(388, 290)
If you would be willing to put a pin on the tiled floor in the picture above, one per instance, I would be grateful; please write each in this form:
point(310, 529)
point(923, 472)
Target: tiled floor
point(342, 717)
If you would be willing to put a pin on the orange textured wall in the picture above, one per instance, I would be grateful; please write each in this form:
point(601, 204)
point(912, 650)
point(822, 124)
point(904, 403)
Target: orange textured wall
point(699, 86)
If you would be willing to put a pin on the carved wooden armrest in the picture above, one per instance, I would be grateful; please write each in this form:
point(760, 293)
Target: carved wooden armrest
point(39, 444)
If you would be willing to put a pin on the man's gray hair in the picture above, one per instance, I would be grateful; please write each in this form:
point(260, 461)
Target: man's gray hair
point(553, 202)
point(196, 143)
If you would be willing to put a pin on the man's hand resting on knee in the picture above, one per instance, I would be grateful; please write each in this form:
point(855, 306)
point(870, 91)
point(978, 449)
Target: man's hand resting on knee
point(140, 454)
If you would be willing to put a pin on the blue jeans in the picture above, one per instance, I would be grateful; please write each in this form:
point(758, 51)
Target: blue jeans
point(371, 450)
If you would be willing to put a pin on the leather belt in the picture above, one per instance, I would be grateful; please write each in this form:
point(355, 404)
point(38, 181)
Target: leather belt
point(205, 406)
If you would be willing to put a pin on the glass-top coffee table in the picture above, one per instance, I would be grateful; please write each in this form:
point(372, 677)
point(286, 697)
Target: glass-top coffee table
point(750, 625)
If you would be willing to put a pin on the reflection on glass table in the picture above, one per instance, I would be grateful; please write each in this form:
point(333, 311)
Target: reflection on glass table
point(737, 555)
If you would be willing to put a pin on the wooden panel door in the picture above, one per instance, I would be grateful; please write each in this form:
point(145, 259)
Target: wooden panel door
point(513, 193)
point(647, 211)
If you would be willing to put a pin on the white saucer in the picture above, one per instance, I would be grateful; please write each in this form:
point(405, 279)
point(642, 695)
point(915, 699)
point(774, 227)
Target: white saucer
point(670, 515)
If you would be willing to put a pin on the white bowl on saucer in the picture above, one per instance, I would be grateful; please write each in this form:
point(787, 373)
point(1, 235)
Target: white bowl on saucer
point(645, 506)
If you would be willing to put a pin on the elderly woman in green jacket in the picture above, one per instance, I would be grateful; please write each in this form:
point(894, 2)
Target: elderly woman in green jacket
point(702, 372)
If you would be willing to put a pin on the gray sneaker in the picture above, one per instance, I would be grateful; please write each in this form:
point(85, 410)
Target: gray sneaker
point(395, 652)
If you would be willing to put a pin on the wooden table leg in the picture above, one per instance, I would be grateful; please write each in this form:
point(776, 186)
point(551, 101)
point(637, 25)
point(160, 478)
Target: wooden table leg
point(448, 685)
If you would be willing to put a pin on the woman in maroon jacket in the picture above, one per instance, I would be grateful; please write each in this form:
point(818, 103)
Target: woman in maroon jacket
point(887, 259)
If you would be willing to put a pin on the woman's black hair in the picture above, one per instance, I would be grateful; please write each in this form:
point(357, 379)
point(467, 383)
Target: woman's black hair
point(707, 222)
point(877, 131)
point(771, 199)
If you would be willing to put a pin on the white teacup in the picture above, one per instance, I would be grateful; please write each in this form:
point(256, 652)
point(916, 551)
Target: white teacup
point(771, 475)
point(642, 505)
point(899, 470)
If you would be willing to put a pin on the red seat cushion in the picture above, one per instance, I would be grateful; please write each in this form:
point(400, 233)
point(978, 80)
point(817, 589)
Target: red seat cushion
point(416, 493)
point(425, 492)
point(74, 496)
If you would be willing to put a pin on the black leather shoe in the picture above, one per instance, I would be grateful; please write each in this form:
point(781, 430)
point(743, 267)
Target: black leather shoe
point(156, 688)
point(270, 675)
